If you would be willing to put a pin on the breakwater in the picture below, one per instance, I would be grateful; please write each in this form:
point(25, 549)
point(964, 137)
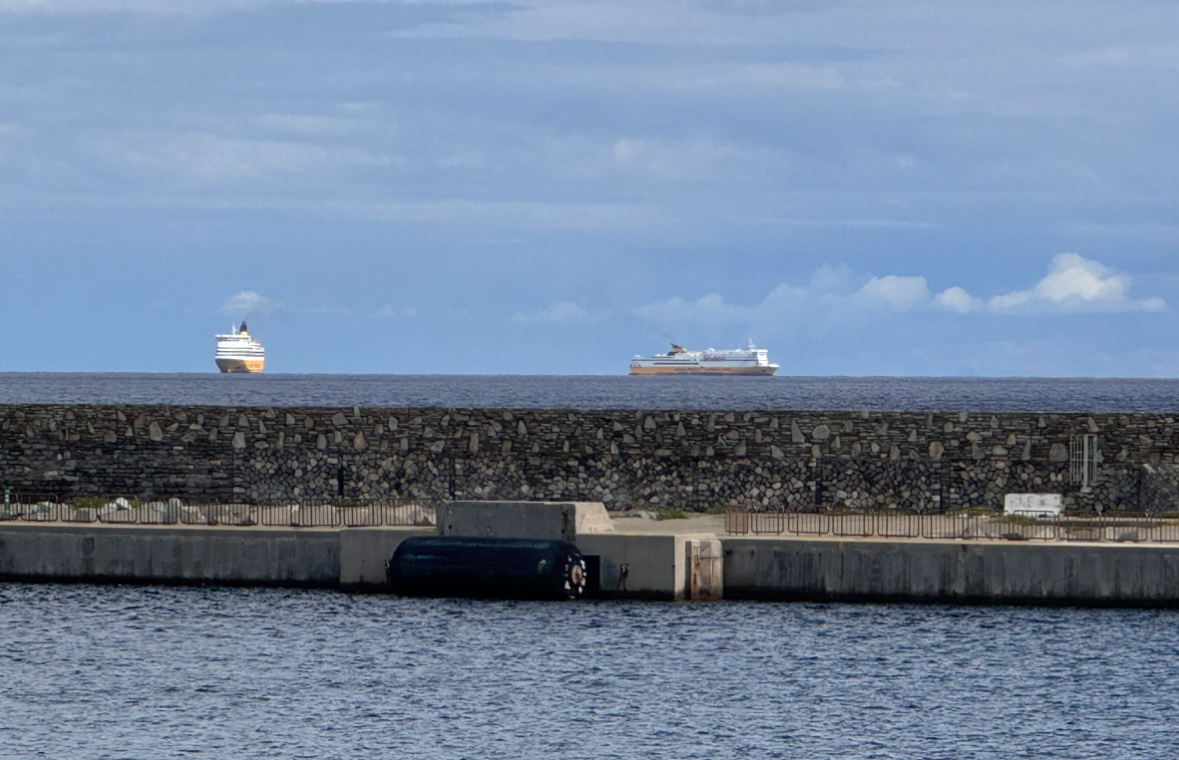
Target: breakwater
point(774, 459)
point(660, 565)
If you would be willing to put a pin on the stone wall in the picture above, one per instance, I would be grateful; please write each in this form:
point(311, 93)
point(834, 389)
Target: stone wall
point(693, 460)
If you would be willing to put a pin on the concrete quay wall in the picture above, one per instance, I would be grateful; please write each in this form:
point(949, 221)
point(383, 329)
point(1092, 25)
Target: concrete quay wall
point(222, 556)
point(952, 572)
point(693, 460)
point(352, 559)
point(659, 565)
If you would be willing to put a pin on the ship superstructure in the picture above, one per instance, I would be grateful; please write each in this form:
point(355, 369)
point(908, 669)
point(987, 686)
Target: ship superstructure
point(237, 352)
point(680, 361)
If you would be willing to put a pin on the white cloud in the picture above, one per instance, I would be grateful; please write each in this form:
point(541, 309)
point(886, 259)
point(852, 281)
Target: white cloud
point(155, 7)
point(390, 311)
point(1074, 283)
point(957, 299)
point(894, 292)
point(728, 77)
point(304, 124)
point(834, 295)
point(626, 150)
point(1148, 54)
point(360, 106)
point(694, 158)
point(213, 158)
point(838, 296)
point(470, 159)
point(709, 309)
point(249, 304)
point(560, 312)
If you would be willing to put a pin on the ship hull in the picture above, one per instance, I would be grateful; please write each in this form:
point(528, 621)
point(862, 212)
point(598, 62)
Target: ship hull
point(242, 366)
point(698, 370)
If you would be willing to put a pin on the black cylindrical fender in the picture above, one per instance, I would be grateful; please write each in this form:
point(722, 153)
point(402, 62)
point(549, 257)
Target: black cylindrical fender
point(500, 568)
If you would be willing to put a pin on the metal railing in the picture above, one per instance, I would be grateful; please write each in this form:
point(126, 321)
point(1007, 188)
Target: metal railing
point(388, 512)
point(952, 526)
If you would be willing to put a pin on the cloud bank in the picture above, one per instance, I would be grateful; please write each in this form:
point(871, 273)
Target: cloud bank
point(839, 295)
point(559, 312)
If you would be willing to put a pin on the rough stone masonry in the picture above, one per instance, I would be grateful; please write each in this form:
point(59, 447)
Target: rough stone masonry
point(801, 461)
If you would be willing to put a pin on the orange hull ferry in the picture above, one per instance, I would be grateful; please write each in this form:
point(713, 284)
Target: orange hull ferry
point(680, 361)
point(238, 353)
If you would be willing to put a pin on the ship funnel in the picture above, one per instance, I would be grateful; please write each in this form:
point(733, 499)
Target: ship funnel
point(243, 327)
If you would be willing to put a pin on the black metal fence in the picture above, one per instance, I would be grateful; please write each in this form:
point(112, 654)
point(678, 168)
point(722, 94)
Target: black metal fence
point(50, 508)
point(961, 526)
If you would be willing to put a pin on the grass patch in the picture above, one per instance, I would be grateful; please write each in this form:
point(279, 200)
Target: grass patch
point(1016, 520)
point(970, 512)
point(670, 513)
point(1072, 524)
point(715, 509)
point(90, 502)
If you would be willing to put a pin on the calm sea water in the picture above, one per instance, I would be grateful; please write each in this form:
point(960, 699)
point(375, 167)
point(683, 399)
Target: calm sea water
point(601, 392)
point(149, 672)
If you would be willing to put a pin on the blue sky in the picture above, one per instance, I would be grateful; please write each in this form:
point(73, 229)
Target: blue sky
point(887, 187)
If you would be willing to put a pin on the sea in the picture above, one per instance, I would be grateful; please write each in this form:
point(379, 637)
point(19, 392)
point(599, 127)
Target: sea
point(1089, 395)
point(140, 672)
point(146, 672)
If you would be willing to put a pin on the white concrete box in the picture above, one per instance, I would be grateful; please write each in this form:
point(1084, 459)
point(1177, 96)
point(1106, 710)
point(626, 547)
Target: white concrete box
point(523, 519)
point(1033, 504)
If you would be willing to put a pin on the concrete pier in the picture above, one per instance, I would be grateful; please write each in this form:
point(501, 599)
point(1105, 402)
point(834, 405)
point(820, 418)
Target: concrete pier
point(304, 557)
point(952, 572)
point(673, 559)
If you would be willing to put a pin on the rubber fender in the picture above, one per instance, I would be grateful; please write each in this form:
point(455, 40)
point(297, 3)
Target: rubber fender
point(487, 568)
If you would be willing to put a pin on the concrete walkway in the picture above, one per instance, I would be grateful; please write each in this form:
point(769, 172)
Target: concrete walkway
point(1128, 531)
point(643, 526)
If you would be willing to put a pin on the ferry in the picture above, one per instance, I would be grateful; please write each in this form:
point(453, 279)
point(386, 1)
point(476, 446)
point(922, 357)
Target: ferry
point(680, 361)
point(237, 352)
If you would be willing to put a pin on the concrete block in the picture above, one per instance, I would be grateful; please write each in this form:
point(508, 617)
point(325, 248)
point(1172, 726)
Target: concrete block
point(704, 569)
point(592, 517)
point(561, 521)
point(655, 565)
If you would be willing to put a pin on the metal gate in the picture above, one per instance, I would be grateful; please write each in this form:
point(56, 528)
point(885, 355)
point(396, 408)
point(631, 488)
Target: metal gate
point(1083, 460)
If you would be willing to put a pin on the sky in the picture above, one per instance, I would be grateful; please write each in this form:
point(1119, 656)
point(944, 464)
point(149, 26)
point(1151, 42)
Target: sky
point(883, 187)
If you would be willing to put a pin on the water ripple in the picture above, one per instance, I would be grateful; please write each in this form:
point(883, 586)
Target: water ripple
point(129, 672)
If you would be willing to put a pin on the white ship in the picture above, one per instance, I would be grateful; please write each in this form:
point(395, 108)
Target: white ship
point(237, 352)
point(680, 361)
